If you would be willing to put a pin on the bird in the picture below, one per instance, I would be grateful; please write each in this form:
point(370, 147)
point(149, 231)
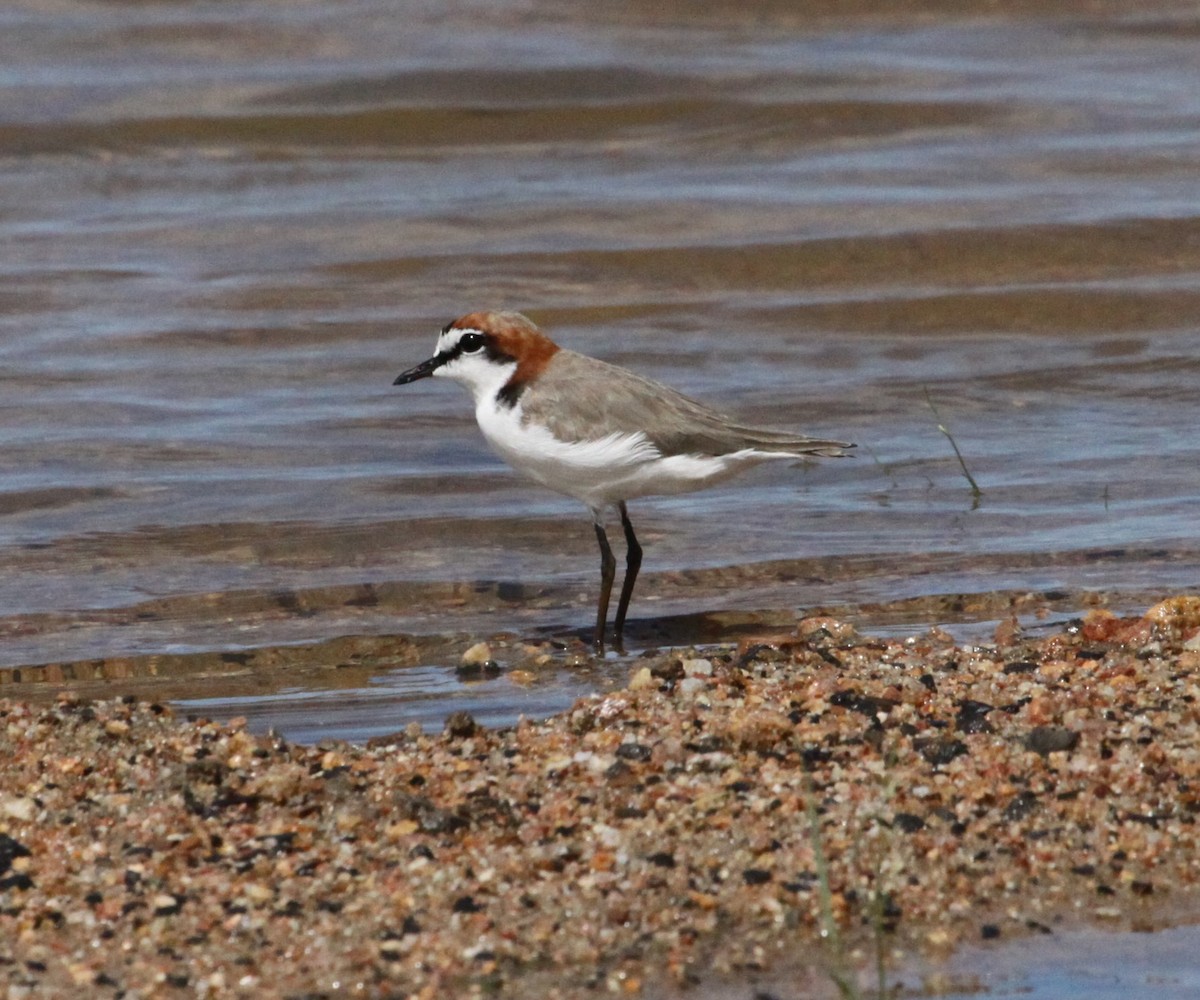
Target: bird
point(596, 432)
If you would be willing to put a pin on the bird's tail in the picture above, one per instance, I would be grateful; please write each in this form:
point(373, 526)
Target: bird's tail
point(784, 443)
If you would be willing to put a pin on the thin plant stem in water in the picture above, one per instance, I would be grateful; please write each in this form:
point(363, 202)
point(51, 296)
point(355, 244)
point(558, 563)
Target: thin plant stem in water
point(976, 492)
point(838, 971)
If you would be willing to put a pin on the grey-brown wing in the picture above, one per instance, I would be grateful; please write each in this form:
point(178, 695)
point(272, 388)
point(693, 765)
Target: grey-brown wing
point(584, 398)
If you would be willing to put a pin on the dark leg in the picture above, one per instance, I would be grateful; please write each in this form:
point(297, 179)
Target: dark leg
point(633, 562)
point(608, 570)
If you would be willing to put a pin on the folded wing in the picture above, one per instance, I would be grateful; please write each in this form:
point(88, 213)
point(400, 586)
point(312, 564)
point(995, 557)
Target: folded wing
point(594, 399)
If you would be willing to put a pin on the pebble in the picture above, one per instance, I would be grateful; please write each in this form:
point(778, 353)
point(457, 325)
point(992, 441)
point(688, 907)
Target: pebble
point(477, 655)
point(644, 840)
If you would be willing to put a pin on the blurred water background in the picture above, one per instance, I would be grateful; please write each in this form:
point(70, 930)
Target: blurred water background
point(226, 227)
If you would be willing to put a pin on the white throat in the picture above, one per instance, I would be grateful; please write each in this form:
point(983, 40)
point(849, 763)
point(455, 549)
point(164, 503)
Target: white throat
point(481, 375)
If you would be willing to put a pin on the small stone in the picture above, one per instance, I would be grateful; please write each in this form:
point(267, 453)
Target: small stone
point(1020, 667)
point(392, 949)
point(1051, 739)
point(667, 669)
point(972, 717)
point(477, 655)
point(634, 751)
point(908, 822)
point(642, 680)
point(939, 750)
point(10, 850)
point(1020, 807)
point(166, 905)
point(460, 725)
point(697, 668)
point(16, 807)
point(691, 686)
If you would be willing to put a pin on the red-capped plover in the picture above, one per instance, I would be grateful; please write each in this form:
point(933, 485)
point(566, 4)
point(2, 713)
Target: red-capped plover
point(596, 432)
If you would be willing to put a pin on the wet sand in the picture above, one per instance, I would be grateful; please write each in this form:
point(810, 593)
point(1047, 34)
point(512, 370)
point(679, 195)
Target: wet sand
point(666, 835)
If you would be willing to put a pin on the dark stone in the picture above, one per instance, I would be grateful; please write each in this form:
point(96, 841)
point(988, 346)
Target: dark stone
point(475, 671)
point(410, 926)
point(989, 932)
point(908, 822)
point(939, 750)
point(1020, 807)
point(803, 882)
point(972, 717)
point(10, 849)
point(864, 704)
point(664, 859)
point(706, 744)
point(620, 772)
point(1085, 870)
point(1141, 888)
point(425, 814)
point(466, 904)
point(482, 808)
point(634, 751)
point(827, 656)
point(169, 909)
point(1020, 667)
point(756, 876)
point(460, 725)
point(667, 670)
point(1051, 739)
point(815, 755)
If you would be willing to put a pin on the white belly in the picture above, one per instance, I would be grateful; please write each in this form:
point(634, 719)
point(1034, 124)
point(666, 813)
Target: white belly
point(603, 472)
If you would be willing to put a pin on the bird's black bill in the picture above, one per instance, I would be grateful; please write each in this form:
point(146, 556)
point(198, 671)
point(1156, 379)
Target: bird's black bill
point(423, 370)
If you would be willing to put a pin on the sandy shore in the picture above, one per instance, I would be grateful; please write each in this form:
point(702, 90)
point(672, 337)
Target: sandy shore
point(668, 834)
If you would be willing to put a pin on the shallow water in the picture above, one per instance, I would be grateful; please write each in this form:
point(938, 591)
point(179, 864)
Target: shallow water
point(227, 227)
point(1083, 965)
point(1079, 964)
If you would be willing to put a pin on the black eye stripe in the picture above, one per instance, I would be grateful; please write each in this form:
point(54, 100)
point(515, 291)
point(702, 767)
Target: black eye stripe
point(472, 342)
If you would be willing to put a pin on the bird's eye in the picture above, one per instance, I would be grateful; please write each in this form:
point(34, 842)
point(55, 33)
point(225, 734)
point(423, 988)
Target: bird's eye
point(470, 343)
